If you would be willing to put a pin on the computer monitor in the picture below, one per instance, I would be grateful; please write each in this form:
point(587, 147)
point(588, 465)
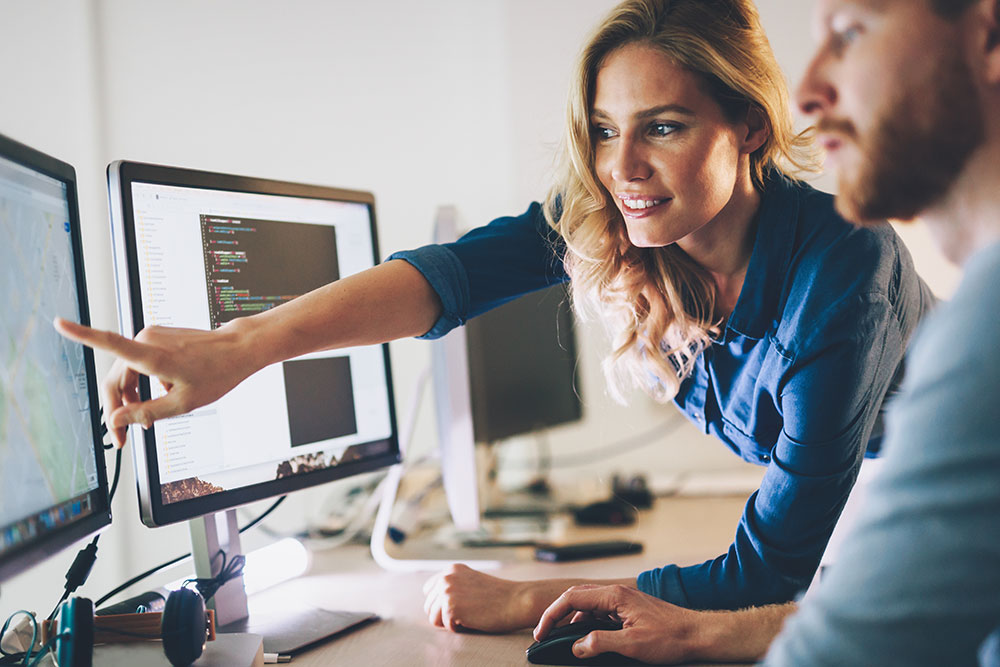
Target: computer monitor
point(522, 366)
point(509, 371)
point(197, 249)
point(53, 485)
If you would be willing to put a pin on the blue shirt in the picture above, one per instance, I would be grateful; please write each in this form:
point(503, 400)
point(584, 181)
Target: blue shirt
point(917, 581)
point(794, 382)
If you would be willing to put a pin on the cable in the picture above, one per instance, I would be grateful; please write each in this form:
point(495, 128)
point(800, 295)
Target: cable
point(139, 577)
point(664, 429)
point(208, 586)
point(264, 515)
point(79, 571)
point(14, 658)
point(45, 649)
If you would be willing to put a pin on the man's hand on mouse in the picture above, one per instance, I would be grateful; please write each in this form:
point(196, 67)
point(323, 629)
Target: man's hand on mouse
point(653, 631)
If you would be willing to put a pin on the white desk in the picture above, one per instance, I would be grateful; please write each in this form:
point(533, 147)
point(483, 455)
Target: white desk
point(677, 530)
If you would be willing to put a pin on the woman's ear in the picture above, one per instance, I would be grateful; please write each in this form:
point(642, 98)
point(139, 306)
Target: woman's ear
point(758, 129)
point(990, 18)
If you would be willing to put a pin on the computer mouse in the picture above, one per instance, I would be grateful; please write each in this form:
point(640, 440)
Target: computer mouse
point(612, 512)
point(557, 647)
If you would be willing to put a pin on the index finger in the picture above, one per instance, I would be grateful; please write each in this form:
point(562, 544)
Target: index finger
point(578, 598)
point(126, 348)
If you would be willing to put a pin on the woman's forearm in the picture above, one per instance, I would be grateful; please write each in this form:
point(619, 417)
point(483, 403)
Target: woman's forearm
point(392, 300)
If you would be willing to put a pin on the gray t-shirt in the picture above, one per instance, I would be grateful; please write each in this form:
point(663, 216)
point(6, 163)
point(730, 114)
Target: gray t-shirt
point(917, 581)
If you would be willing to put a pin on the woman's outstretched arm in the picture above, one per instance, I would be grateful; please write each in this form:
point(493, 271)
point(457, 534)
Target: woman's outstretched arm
point(392, 300)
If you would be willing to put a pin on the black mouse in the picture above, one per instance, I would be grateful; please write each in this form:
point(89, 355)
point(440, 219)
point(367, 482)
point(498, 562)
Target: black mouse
point(612, 512)
point(557, 647)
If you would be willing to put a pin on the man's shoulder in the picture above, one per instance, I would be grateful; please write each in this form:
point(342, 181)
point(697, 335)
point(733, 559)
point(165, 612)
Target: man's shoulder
point(956, 346)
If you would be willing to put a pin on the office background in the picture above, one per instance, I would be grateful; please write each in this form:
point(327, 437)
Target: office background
point(425, 104)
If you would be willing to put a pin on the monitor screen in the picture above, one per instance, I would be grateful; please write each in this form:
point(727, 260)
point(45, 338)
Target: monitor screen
point(53, 487)
point(522, 366)
point(198, 250)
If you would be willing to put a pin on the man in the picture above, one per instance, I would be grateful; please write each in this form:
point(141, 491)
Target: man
point(906, 97)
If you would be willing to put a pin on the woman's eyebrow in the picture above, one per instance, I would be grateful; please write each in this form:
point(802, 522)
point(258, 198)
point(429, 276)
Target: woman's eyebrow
point(599, 114)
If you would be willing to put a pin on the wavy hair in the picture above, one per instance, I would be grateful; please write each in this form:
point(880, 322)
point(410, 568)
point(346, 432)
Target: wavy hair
point(658, 304)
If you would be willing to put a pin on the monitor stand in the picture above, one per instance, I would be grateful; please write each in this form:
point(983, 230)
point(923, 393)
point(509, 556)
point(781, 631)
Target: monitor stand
point(380, 533)
point(215, 538)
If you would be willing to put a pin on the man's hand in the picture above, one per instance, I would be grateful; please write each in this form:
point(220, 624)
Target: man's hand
point(658, 632)
point(195, 367)
point(653, 631)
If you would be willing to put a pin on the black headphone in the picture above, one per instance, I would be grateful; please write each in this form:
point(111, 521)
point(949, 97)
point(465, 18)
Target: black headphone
point(183, 629)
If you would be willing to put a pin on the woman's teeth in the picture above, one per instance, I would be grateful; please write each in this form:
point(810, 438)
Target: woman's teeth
point(639, 204)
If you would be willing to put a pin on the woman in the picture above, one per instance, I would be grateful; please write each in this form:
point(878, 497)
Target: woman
point(726, 286)
point(682, 233)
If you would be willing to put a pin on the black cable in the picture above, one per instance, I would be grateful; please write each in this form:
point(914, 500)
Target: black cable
point(139, 577)
point(208, 586)
point(586, 457)
point(264, 515)
point(79, 571)
point(136, 579)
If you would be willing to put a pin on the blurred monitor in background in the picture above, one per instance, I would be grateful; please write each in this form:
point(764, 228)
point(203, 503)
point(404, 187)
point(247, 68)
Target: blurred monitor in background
point(522, 366)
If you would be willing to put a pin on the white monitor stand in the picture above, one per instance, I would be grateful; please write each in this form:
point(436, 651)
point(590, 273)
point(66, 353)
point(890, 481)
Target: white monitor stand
point(215, 538)
point(450, 375)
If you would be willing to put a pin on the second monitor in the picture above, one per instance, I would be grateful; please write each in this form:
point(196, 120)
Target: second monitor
point(197, 249)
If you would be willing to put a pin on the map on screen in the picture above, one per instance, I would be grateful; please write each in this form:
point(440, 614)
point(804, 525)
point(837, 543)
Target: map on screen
point(46, 440)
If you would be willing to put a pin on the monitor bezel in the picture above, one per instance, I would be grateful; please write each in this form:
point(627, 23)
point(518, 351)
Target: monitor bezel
point(20, 559)
point(121, 175)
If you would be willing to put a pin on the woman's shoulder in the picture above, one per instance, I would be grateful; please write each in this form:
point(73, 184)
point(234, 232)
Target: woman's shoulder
point(828, 248)
point(837, 268)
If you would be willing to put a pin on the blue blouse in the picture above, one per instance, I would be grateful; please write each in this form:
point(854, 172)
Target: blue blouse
point(795, 381)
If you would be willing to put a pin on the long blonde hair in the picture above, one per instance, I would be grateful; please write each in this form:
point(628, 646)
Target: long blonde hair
point(658, 304)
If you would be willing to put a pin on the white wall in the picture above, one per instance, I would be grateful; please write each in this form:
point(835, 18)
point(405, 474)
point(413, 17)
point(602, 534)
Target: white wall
point(442, 102)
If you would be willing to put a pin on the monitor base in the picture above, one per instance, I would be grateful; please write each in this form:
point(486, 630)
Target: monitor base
point(288, 632)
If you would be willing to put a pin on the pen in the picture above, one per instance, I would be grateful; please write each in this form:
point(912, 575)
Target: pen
point(274, 658)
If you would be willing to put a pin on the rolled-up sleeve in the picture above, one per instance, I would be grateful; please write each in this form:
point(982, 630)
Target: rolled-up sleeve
point(830, 403)
point(489, 266)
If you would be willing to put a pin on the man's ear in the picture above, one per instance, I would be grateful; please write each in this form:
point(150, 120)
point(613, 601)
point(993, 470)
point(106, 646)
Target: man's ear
point(758, 129)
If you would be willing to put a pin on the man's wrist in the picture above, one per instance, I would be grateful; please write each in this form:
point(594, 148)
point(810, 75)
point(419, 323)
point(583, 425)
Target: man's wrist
point(701, 636)
point(736, 636)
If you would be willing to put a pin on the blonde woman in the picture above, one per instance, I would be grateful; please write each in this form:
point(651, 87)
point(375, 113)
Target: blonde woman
point(728, 288)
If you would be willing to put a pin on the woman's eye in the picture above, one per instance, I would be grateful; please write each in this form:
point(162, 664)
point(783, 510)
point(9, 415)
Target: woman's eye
point(603, 133)
point(663, 129)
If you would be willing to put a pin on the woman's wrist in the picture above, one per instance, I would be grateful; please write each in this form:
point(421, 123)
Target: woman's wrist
point(529, 600)
point(247, 339)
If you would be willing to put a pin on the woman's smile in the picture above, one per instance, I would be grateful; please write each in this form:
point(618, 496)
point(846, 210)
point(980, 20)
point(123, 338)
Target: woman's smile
point(637, 206)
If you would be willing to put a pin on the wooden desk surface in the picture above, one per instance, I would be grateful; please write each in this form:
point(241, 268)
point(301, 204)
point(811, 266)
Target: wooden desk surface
point(677, 530)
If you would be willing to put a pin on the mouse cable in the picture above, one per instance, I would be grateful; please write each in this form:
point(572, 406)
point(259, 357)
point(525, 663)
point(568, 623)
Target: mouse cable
point(139, 577)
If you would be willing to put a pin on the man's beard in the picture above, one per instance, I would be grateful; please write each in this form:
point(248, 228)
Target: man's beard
point(918, 147)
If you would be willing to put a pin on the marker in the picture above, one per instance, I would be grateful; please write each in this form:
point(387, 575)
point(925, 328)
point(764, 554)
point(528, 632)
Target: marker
point(274, 658)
